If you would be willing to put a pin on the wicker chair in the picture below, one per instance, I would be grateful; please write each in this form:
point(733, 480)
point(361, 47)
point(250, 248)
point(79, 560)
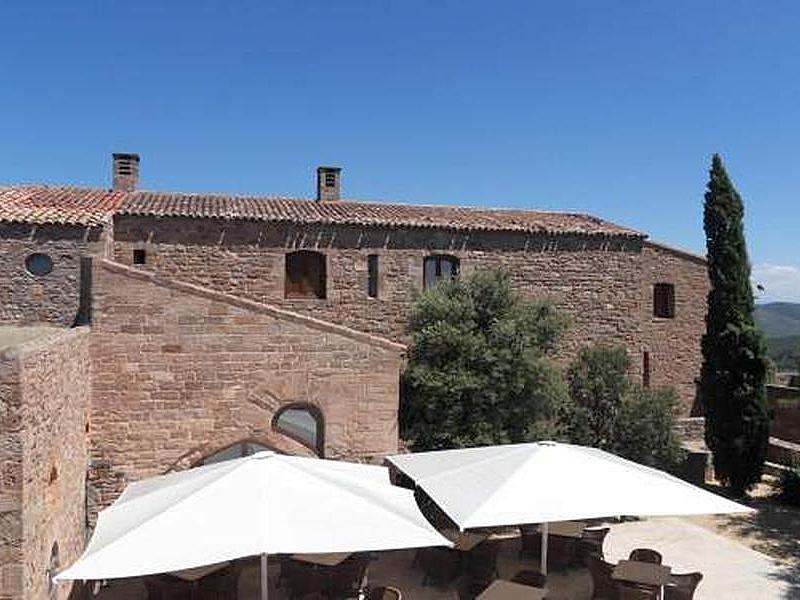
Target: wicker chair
point(682, 587)
point(347, 578)
point(645, 555)
point(604, 586)
point(440, 565)
point(591, 542)
point(530, 541)
point(631, 591)
point(221, 585)
point(530, 578)
point(385, 593)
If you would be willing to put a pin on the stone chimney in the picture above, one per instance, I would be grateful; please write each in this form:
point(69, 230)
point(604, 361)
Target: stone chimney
point(126, 172)
point(328, 184)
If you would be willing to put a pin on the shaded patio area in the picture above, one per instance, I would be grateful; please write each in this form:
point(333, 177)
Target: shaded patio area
point(730, 569)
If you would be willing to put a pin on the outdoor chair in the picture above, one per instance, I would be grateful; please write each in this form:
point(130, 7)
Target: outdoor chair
point(482, 564)
point(530, 541)
point(220, 585)
point(168, 587)
point(347, 578)
point(682, 586)
point(591, 542)
point(645, 555)
point(631, 591)
point(605, 588)
point(562, 552)
point(440, 565)
point(385, 593)
point(530, 578)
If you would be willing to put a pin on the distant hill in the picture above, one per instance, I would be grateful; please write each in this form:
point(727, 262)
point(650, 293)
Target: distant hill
point(779, 319)
point(780, 322)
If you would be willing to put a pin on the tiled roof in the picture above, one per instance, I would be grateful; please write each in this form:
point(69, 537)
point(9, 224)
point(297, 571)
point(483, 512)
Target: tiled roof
point(41, 204)
point(353, 212)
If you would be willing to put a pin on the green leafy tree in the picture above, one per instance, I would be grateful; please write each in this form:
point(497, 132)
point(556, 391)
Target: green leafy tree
point(608, 411)
point(644, 430)
point(734, 371)
point(598, 382)
point(479, 370)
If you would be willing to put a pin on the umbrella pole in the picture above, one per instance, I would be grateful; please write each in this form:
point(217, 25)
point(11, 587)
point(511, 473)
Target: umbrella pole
point(545, 533)
point(264, 579)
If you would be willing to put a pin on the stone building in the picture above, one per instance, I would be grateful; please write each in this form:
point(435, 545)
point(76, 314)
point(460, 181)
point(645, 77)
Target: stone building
point(142, 332)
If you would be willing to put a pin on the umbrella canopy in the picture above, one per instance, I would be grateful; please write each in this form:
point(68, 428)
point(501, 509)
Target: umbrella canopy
point(546, 482)
point(263, 504)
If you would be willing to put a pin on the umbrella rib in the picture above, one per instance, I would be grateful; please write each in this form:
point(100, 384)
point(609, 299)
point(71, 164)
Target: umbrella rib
point(365, 492)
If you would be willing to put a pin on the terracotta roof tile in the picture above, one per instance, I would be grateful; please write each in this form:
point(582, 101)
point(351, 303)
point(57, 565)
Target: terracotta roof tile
point(70, 205)
point(353, 212)
point(58, 205)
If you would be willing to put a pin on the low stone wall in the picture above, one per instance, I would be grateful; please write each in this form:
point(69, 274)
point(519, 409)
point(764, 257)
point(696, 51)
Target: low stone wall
point(785, 412)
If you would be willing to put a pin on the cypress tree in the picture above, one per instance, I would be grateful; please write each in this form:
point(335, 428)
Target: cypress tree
point(734, 371)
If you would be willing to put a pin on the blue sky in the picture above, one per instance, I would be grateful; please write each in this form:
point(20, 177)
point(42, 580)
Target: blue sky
point(612, 108)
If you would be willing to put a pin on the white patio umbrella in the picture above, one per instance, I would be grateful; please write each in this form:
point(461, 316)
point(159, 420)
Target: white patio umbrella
point(546, 482)
point(254, 506)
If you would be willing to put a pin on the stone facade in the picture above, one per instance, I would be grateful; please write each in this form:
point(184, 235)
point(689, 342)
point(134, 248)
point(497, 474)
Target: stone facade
point(181, 372)
point(195, 347)
point(604, 284)
point(45, 405)
point(53, 298)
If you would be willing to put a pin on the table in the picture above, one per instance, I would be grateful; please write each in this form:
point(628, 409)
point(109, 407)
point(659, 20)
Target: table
point(330, 559)
point(571, 529)
point(199, 572)
point(467, 541)
point(500, 589)
point(642, 573)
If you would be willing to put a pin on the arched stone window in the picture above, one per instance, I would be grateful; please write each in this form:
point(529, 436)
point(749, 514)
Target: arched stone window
point(303, 423)
point(439, 267)
point(237, 450)
point(305, 275)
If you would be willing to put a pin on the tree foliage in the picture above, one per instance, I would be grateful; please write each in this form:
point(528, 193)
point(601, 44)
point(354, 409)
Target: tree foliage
point(607, 411)
point(479, 370)
point(734, 371)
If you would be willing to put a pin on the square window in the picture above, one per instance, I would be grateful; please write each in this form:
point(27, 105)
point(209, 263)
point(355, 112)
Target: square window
point(139, 256)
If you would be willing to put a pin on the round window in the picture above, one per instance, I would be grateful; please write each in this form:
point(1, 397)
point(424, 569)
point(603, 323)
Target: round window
point(39, 264)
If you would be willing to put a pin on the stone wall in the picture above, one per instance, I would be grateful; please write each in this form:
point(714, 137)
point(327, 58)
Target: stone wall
point(603, 284)
point(49, 385)
point(674, 344)
point(51, 298)
point(11, 576)
point(180, 372)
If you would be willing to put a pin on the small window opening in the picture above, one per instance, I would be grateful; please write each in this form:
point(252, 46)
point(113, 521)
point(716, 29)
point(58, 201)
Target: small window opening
point(139, 256)
point(664, 300)
point(38, 264)
point(439, 268)
point(305, 275)
point(303, 423)
point(372, 275)
point(53, 475)
point(646, 370)
point(330, 179)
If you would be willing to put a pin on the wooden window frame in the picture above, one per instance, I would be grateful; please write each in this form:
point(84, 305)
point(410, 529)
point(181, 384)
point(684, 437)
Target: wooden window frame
point(455, 268)
point(664, 300)
point(307, 280)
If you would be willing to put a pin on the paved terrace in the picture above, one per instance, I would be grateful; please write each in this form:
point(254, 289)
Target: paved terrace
point(731, 571)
